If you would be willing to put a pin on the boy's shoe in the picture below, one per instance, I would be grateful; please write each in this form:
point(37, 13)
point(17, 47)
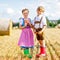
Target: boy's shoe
point(42, 52)
point(38, 55)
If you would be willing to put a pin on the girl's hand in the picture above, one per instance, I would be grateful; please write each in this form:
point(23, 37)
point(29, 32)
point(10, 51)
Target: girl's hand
point(25, 24)
point(36, 32)
point(27, 21)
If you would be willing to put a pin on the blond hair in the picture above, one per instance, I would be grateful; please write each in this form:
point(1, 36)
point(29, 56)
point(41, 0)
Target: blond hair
point(41, 8)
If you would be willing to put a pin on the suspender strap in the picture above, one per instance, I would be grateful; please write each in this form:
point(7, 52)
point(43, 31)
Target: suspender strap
point(38, 22)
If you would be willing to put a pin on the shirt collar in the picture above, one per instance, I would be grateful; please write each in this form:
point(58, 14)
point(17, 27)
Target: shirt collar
point(41, 15)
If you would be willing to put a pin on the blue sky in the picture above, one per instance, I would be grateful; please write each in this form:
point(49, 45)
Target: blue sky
point(12, 8)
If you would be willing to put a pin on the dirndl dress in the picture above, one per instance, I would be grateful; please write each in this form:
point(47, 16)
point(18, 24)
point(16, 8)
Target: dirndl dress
point(26, 39)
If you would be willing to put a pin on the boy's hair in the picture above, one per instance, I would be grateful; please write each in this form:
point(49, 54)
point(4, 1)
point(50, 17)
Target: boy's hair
point(25, 10)
point(41, 8)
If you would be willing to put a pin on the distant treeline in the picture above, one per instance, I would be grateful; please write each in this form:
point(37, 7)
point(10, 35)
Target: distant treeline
point(52, 23)
point(16, 24)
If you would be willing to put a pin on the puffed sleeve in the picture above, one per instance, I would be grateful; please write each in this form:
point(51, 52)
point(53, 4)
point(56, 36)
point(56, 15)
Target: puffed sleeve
point(44, 21)
point(20, 21)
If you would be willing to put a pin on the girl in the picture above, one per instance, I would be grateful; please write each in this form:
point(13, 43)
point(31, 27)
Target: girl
point(26, 38)
point(39, 27)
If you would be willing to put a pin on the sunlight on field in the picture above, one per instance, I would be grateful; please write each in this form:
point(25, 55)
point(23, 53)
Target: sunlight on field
point(9, 47)
point(8, 44)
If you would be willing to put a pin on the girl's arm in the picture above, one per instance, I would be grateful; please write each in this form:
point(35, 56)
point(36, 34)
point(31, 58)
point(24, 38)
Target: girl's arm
point(22, 23)
point(22, 27)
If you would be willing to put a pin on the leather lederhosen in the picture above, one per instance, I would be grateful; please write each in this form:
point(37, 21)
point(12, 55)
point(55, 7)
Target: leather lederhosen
point(39, 36)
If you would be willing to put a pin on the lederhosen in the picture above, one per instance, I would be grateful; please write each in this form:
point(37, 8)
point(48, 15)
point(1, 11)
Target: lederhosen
point(39, 36)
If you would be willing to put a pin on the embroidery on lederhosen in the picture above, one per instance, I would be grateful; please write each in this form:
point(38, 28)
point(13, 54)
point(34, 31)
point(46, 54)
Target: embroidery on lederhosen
point(38, 22)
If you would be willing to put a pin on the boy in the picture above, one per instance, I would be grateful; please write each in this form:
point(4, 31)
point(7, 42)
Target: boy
point(39, 27)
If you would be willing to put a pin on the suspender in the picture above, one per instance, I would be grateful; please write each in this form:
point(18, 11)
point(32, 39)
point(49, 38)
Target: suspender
point(38, 22)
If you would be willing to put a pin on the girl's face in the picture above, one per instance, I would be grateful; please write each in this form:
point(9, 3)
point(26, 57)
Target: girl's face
point(25, 13)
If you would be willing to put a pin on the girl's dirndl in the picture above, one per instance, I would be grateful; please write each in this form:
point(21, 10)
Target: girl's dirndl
point(26, 38)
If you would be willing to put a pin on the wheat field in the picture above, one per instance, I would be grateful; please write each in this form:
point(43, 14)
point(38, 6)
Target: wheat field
point(9, 50)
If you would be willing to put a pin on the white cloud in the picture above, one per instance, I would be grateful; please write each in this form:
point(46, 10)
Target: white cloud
point(52, 8)
point(10, 11)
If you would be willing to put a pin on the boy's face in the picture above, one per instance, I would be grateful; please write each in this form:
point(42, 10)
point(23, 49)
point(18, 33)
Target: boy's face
point(39, 12)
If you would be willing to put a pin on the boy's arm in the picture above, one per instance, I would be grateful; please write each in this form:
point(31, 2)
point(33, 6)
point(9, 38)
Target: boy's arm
point(42, 30)
point(44, 27)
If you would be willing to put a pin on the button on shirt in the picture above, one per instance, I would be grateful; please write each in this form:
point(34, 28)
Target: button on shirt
point(38, 18)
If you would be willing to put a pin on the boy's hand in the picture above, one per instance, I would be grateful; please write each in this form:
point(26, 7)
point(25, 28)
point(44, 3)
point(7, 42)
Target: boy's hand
point(40, 32)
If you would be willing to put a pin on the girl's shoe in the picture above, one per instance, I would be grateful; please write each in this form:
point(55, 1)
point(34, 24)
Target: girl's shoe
point(29, 56)
point(26, 53)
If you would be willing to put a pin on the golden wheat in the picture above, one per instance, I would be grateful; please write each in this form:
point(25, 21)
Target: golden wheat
point(9, 49)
